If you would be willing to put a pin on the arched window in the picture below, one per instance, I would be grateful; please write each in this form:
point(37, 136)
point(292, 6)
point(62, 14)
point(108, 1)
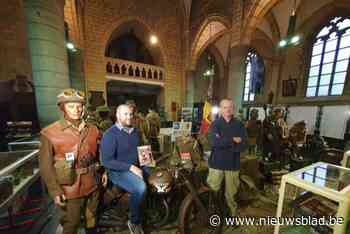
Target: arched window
point(330, 59)
point(254, 76)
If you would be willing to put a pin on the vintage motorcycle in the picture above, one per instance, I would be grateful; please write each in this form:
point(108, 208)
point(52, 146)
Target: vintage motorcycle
point(167, 199)
point(199, 205)
point(113, 211)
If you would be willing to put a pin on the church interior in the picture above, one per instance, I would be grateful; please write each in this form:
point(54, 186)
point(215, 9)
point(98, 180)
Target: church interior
point(283, 64)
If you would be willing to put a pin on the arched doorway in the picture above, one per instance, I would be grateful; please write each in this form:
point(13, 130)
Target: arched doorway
point(135, 71)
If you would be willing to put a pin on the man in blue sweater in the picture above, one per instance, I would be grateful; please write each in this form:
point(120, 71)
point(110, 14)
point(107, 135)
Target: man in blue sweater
point(228, 138)
point(119, 157)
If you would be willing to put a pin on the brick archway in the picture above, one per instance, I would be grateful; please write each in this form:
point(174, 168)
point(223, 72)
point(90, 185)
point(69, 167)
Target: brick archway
point(219, 26)
point(257, 12)
point(112, 28)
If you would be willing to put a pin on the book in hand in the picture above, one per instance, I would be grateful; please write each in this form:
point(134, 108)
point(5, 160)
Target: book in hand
point(145, 156)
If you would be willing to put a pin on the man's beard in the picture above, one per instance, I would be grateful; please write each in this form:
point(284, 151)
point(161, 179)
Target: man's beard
point(125, 124)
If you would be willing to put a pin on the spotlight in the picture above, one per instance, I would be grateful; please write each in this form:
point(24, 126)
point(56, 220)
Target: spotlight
point(295, 39)
point(70, 45)
point(283, 43)
point(215, 110)
point(153, 39)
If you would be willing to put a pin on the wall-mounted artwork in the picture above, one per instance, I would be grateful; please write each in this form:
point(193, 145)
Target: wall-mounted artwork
point(289, 88)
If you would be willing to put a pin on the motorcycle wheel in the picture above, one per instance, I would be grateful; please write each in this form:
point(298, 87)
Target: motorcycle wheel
point(190, 218)
point(157, 212)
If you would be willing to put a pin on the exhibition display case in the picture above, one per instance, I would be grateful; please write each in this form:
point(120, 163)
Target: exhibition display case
point(320, 180)
point(18, 171)
point(26, 143)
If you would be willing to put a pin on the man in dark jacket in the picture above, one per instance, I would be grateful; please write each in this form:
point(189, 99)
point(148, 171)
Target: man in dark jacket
point(119, 156)
point(228, 137)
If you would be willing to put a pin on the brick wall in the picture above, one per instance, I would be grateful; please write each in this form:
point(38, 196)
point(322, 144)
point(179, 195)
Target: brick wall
point(160, 17)
point(14, 48)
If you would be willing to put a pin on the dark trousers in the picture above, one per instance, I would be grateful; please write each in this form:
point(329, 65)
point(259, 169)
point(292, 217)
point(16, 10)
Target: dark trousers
point(75, 208)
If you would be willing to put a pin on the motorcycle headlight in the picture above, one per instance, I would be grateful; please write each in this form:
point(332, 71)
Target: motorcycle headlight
point(162, 187)
point(160, 181)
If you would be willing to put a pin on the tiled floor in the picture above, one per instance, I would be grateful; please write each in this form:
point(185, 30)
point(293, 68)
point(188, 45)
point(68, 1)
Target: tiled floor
point(263, 205)
point(47, 221)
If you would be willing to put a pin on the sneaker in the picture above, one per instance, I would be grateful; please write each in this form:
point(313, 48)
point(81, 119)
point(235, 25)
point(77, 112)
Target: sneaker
point(135, 228)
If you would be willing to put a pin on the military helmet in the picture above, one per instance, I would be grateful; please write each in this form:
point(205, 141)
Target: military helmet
point(130, 103)
point(70, 95)
point(102, 109)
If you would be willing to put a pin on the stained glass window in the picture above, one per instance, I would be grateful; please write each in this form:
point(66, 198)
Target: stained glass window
point(254, 76)
point(330, 59)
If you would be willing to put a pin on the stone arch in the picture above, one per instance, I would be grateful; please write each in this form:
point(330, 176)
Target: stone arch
point(112, 32)
point(264, 45)
point(257, 12)
point(219, 90)
point(219, 59)
point(276, 33)
point(309, 29)
point(219, 26)
point(312, 25)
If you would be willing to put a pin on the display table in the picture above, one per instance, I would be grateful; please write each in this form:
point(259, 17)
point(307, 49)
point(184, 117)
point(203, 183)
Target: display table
point(26, 143)
point(21, 164)
point(323, 179)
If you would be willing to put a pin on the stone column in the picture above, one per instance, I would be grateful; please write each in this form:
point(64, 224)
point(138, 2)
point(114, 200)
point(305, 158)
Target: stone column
point(189, 88)
point(235, 81)
point(14, 47)
point(45, 22)
point(76, 69)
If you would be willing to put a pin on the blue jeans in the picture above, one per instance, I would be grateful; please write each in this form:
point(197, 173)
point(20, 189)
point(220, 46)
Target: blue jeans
point(135, 186)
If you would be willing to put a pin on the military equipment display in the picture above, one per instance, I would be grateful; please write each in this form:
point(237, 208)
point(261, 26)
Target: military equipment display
point(18, 171)
point(253, 126)
point(101, 118)
point(6, 187)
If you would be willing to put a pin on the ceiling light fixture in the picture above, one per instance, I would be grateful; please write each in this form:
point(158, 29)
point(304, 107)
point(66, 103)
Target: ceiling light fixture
point(153, 39)
point(291, 39)
point(210, 71)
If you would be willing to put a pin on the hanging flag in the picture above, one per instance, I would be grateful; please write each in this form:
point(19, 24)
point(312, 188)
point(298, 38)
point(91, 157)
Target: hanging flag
point(207, 111)
point(206, 120)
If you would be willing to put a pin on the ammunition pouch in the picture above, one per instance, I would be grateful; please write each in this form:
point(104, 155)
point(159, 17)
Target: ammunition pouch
point(93, 168)
point(65, 173)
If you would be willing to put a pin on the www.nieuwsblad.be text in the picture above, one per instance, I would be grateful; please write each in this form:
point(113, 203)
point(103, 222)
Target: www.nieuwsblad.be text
point(216, 220)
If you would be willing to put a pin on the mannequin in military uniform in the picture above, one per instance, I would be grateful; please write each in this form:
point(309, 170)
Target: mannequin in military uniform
point(69, 163)
point(186, 152)
point(153, 120)
point(275, 135)
point(253, 126)
point(297, 133)
point(281, 124)
point(103, 118)
point(140, 122)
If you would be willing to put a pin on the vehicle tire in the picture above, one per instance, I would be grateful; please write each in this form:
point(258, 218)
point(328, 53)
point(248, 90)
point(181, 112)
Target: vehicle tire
point(157, 211)
point(190, 219)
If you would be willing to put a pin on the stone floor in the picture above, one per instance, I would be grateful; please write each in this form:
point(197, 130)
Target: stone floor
point(262, 205)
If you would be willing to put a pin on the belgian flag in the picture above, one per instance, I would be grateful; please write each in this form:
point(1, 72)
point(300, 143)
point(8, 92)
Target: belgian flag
point(206, 121)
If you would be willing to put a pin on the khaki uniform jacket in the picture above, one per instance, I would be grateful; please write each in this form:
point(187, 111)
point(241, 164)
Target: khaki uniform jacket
point(47, 157)
point(154, 124)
